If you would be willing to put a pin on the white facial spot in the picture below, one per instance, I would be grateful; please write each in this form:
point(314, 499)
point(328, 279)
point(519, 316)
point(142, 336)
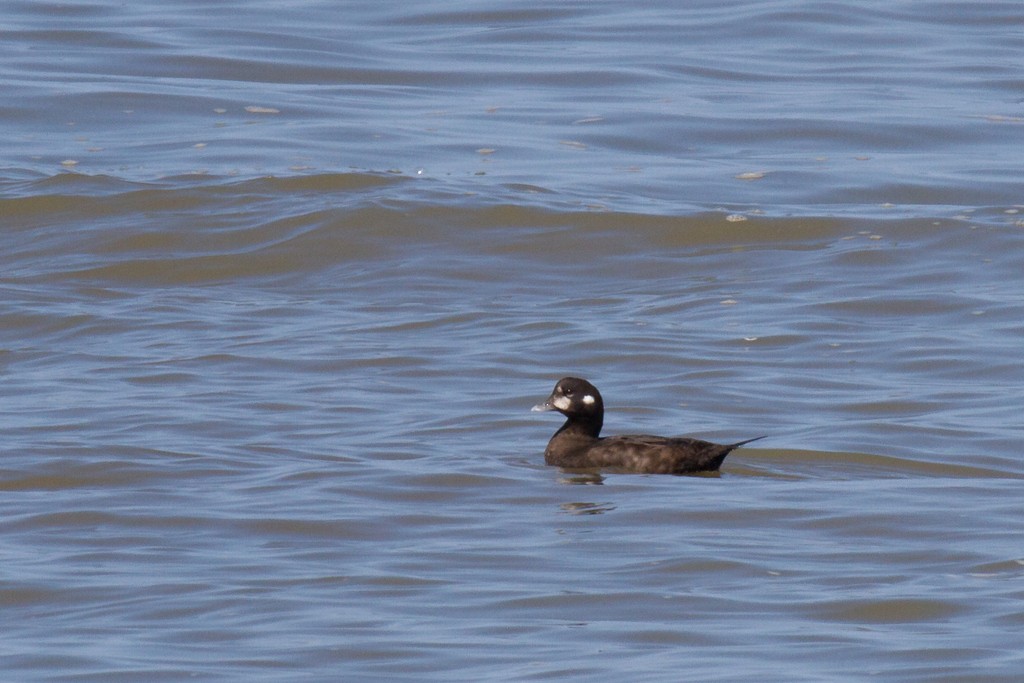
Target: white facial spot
point(562, 403)
point(588, 399)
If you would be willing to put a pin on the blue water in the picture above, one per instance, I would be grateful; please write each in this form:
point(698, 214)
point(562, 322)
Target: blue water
point(648, 109)
point(280, 283)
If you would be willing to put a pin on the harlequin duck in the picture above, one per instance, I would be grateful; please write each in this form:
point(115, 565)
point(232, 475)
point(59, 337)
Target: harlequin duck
point(577, 444)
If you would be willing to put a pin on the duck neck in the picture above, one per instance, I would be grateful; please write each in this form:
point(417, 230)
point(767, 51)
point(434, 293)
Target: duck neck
point(582, 426)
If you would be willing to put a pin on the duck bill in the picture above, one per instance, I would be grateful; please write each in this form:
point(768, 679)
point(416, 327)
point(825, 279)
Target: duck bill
point(554, 402)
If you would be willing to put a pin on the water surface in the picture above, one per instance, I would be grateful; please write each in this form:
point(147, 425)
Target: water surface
point(280, 284)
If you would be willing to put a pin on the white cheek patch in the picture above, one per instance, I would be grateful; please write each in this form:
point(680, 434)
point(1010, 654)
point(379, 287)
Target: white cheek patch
point(562, 403)
point(588, 399)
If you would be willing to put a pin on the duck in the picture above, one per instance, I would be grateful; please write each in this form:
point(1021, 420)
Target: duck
point(578, 443)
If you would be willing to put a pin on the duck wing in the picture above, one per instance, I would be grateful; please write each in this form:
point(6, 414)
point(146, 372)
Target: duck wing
point(660, 455)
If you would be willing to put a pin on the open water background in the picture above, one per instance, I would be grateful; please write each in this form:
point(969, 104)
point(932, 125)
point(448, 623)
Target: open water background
point(279, 283)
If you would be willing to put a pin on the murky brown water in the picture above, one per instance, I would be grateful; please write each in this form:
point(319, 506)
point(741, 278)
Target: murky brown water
point(270, 421)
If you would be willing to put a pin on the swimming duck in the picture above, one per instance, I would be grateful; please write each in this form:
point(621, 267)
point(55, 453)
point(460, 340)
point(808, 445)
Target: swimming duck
point(577, 444)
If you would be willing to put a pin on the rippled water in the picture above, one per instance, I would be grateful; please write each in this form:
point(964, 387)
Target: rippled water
point(280, 284)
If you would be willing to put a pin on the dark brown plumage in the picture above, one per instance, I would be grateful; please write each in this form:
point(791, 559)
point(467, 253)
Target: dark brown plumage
point(578, 444)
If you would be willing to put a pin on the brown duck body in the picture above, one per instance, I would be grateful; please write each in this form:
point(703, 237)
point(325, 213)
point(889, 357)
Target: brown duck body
point(637, 453)
point(578, 444)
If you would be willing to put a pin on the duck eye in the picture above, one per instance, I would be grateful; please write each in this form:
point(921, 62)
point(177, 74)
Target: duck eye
point(567, 392)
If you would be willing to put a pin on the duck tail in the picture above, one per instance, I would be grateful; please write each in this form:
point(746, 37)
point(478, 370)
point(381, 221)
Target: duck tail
point(741, 443)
